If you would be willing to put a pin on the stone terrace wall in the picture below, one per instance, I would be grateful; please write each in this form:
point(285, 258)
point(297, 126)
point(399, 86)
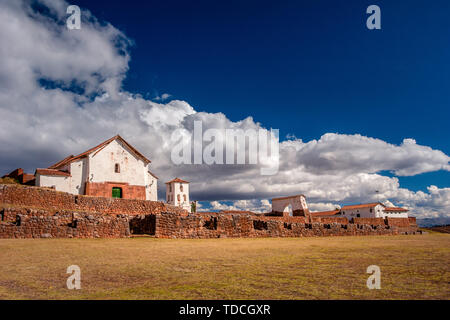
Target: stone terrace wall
point(371, 221)
point(32, 223)
point(31, 212)
point(412, 221)
point(27, 196)
point(341, 220)
point(170, 225)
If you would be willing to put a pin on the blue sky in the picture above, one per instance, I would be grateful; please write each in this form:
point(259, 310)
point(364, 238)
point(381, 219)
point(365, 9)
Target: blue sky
point(364, 110)
point(305, 67)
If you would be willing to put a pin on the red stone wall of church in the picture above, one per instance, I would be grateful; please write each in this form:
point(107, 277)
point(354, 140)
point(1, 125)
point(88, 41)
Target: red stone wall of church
point(104, 189)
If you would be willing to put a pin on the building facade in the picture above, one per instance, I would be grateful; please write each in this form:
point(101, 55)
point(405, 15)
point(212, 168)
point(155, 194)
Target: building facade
point(177, 193)
point(112, 169)
point(372, 210)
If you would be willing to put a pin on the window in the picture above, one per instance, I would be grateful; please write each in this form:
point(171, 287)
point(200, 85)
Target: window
point(116, 192)
point(358, 215)
point(170, 188)
point(371, 210)
point(181, 187)
point(178, 197)
point(117, 168)
point(184, 197)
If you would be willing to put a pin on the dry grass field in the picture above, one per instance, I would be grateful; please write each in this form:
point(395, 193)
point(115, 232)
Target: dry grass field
point(412, 267)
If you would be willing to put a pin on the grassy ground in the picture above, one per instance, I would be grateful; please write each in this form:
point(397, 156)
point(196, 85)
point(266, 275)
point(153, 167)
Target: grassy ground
point(412, 267)
point(8, 180)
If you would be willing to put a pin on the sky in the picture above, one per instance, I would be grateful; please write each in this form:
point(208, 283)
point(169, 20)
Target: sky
point(358, 110)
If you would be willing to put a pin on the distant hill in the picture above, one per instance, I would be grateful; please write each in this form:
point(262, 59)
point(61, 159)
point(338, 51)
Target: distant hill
point(431, 222)
point(442, 229)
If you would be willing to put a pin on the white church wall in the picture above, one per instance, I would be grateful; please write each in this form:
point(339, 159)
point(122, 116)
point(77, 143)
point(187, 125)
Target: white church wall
point(102, 165)
point(59, 183)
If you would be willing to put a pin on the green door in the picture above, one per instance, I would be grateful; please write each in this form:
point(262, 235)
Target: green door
point(116, 192)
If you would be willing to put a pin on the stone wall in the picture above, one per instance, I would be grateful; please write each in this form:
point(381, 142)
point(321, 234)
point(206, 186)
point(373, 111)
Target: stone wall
point(104, 189)
point(370, 221)
point(25, 196)
point(171, 225)
point(21, 177)
point(143, 224)
point(340, 220)
point(32, 212)
point(32, 223)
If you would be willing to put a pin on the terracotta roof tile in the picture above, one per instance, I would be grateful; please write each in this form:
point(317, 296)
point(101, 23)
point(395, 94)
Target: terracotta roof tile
point(152, 174)
point(177, 180)
point(395, 209)
point(52, 172)
point(363, 205)
point(325, 213)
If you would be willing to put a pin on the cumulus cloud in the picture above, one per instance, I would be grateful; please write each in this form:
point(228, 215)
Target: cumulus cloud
point(254, 205)
point(320, 206)
point(61, 93)
point(355, 153)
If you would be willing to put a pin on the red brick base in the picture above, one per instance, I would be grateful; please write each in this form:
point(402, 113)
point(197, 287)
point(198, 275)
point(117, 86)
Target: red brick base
point(104, 189)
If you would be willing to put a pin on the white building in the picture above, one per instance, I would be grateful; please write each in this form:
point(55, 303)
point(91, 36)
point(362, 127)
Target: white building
point(112, 169)
point(395, 212)
point(373, 210)
point(177, 193)
point(291, 205)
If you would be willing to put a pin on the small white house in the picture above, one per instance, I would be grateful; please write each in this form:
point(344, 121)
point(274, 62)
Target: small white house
point(373, 210)
point(177, 193)
point(112, 169)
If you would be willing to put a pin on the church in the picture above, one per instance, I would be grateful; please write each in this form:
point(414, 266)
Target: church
point(114, 168)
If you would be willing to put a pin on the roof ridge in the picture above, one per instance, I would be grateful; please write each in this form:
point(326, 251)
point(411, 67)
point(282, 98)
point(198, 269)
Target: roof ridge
point(177, 180)
point(71, 158)
point(363, 205)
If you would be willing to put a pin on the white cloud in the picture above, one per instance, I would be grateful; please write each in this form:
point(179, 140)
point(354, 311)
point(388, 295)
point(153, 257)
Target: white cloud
point(60, 93)
point(258, 206)
point(320, 206)
point(388, 203)
point(355, 153)
point(163, 97)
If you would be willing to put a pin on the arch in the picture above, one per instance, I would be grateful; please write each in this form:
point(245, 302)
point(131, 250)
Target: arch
point(283, 206)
